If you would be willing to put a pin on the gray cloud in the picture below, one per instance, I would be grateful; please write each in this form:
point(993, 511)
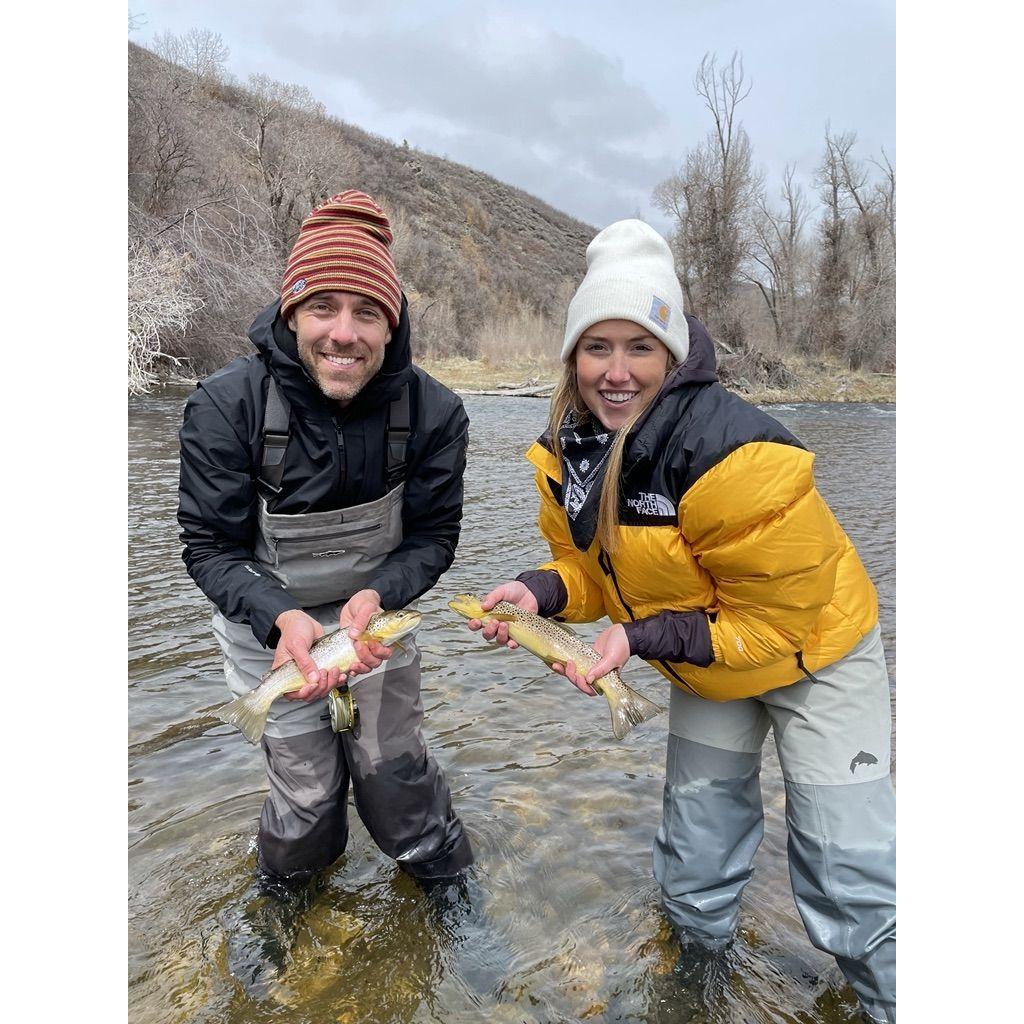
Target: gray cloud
point(544, 110)
point(585, 103)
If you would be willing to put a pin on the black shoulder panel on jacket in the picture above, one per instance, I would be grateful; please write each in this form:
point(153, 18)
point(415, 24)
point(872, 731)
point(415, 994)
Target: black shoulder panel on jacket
point(714, 425)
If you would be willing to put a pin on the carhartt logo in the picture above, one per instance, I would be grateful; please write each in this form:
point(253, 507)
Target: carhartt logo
point(651, 504)
point(298, 286)
point(862, 758)
point(660, 312)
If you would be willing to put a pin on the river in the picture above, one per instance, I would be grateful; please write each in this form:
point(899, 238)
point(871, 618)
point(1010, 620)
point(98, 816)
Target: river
point(564, 922)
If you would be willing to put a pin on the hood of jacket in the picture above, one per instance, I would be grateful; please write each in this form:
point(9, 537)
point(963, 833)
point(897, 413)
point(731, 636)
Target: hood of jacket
point(278, 347)
point(660, 417)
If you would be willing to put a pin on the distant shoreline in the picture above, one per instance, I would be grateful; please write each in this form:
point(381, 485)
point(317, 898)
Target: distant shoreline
point(829, 384)
point(815, 383)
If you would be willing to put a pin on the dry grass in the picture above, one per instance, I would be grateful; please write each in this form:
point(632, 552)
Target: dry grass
point(528, 333)
point(460, 373)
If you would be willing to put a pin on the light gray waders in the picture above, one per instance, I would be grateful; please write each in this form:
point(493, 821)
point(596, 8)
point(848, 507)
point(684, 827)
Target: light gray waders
point(403, 799)
point(832, 735)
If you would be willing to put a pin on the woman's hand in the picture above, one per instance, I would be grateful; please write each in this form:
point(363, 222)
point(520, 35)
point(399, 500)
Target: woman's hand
point(515, 593)
point(613, 646)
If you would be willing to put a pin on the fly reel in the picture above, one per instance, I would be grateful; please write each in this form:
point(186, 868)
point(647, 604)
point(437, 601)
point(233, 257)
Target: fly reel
point(343, 709)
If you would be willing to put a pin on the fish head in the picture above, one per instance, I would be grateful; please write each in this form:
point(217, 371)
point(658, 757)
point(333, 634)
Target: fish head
point(391, 627)
point(468, 605)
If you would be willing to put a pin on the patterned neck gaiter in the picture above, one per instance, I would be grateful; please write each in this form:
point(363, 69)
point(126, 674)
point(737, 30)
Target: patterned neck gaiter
point(586, 445)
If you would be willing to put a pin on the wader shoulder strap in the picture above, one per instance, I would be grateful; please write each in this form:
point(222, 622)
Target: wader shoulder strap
point(398, 436)
point(275, 439)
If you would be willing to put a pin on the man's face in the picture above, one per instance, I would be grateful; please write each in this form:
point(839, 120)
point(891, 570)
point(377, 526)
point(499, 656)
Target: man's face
point(341, 339)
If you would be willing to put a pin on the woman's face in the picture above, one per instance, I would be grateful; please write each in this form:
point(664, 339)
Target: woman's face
point(619, 369)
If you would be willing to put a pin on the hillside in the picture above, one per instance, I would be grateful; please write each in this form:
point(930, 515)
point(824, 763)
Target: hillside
point(221, 176)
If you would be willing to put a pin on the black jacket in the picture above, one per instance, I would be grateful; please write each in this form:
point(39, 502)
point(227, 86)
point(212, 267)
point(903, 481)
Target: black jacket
point(335, 459)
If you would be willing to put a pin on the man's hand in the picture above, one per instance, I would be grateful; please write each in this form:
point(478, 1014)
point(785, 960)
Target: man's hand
point(613, 646)
point(354, 617)
point(515, 593)
point(298, 631)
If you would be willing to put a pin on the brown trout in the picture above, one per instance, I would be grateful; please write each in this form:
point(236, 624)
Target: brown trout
point(332, 650)
point(552, 641)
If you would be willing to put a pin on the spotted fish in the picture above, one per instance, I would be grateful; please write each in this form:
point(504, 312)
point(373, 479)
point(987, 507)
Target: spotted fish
point(552, 641)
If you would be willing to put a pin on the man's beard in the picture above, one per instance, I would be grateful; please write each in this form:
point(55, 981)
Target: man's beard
point(342, 391)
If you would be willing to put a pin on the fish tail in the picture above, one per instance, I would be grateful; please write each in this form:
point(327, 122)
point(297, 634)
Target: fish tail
point(248, 713)
point(628, 708)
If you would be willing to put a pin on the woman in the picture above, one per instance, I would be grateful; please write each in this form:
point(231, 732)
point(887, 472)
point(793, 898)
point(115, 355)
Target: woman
point(691, 519)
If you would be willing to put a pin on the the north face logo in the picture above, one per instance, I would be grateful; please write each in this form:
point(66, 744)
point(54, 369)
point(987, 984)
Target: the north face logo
point(651, 505)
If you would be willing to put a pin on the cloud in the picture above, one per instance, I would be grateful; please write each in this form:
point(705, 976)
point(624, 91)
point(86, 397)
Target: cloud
point(500, 95)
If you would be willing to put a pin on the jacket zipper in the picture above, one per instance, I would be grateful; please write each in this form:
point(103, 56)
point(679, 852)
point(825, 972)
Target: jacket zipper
point(604, 560)
point(341, 457)
point(802, 667)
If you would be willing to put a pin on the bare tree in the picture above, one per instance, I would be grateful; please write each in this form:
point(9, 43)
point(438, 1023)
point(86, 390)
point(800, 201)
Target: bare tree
point(834, 275)
point(711, 198)
point(161, 133)
point(198, 50)
point(778, 258)
point(885, 193)
point(296, 157)
point(855, 306)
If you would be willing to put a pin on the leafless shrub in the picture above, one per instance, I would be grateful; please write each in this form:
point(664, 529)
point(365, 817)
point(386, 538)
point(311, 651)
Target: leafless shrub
point(159, 300)
point(434, 324)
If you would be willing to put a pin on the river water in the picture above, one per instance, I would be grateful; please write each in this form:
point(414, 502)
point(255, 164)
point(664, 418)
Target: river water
point(563, 922)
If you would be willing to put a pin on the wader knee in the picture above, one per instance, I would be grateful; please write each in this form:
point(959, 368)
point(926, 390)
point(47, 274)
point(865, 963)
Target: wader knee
point(406, 806)
point(711, 827)
point(842, 867)
point(304, 823)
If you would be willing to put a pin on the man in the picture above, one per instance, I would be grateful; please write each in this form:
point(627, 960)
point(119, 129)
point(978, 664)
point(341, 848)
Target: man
point(321, 482)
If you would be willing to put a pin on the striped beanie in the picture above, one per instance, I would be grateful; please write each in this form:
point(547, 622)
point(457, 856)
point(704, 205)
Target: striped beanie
point(343, 245)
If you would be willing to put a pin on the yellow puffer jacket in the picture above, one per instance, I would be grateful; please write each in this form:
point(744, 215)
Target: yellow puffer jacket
point(752, 544)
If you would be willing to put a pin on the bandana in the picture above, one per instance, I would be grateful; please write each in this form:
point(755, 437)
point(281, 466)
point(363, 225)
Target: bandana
point(585, 450)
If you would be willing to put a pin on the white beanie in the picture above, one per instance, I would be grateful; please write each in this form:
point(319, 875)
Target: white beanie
point(631, 275)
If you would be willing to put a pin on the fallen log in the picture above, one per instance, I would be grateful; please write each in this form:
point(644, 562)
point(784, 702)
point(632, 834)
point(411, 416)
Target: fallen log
point(541, 391)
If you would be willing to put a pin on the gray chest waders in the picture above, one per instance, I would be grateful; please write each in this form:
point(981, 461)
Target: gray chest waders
point(320, 558)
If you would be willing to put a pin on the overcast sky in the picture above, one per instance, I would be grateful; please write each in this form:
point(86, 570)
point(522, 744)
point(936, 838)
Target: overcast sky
point(583, 103)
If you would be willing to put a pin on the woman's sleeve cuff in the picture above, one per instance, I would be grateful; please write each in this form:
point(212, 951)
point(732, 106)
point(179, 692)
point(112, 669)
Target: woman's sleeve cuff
point(549, 590)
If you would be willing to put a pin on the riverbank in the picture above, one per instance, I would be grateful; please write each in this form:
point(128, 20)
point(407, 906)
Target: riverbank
point(808, 381)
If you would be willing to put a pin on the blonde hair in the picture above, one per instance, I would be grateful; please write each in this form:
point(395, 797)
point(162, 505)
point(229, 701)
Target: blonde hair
point(567, 396)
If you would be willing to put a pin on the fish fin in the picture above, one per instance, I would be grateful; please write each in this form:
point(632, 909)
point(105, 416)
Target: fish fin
point(501, 616)
point(247, 713)
point(629, 709)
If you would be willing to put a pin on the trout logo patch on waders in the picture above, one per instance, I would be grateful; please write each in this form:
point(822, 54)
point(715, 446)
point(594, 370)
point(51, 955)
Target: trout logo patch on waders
point(862, 758)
